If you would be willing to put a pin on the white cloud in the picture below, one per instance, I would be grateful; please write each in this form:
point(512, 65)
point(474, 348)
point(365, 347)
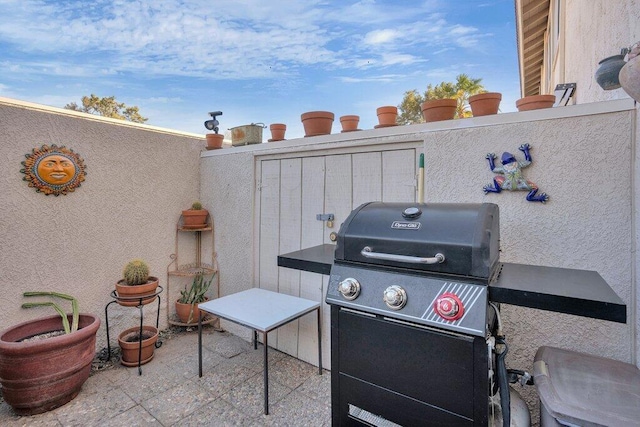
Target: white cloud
point(380, 36)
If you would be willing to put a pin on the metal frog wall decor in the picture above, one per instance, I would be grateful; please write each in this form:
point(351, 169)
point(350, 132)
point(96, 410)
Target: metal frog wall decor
point(510, 175)
point(53, 170)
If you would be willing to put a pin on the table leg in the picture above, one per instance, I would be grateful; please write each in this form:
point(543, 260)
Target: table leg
point(266, 374)
point(255, 339)
point(319, 344)
point(200, 345)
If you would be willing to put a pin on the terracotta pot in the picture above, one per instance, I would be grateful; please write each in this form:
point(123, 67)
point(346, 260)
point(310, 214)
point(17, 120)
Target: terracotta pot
point(484, 104)
point(41, 375)
point(630, 78)
point(184, 310)
point(214, 141)
point(535, 102)
point(349, 123)
point(130, 345)
point(435, 110)
point(135, 292)
point(277, 131)
point(317, 122)
point(387, 115)
point(608, 71)
point(194, 218)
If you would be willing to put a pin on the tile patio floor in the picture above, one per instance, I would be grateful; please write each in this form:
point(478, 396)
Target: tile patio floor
point(170, 393)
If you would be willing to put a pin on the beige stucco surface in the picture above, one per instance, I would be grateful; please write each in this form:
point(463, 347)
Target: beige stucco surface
point(595, 30)
point(138, 180)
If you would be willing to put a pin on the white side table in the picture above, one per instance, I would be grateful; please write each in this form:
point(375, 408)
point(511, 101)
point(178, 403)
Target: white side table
point(262, 311)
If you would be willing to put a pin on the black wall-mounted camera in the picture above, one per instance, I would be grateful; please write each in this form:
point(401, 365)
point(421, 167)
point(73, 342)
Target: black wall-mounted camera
point(213, 124)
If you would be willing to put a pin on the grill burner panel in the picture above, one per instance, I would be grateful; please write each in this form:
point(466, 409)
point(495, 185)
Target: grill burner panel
point(421, 292)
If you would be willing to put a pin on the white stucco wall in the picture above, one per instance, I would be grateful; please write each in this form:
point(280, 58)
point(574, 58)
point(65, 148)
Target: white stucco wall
point(594, 30)
point(138, 180)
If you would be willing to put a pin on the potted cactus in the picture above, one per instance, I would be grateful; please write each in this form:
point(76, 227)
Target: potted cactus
point(186, 306)
point(196, 217)
point(45, 362)
point(136, 284)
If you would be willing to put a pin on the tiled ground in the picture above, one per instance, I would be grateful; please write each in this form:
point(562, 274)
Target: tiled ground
point(169, 392)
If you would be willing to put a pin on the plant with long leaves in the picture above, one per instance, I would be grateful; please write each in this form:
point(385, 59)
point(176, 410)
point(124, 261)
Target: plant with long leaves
point(75, 314)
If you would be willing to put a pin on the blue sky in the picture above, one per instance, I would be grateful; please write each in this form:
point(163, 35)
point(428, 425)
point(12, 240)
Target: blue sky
point(255, 60)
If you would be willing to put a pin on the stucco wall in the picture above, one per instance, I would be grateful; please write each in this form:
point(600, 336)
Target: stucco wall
point(583, 157)
point(138, 180)
point(594, 30)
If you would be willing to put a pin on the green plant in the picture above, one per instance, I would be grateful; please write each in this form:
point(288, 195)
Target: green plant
point(196, 206)
point(195, 293)
point(136, 272)
point(65, 321)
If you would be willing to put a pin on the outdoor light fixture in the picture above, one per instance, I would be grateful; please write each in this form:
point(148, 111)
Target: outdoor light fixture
point(213, 124)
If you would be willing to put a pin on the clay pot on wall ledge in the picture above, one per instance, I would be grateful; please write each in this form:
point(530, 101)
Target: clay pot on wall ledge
point(535, 102)
point(484, 104)
point(349, 123)
point(214, 141)
point(387, 116)
point(317, 122)
point(435, 110)
point(608, 71)
point(277, 131)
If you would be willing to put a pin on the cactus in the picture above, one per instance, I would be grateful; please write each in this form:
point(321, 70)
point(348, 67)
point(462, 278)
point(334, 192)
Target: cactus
point(136, 272)
point(75, 318)
point(195, 294)
point(196, 206)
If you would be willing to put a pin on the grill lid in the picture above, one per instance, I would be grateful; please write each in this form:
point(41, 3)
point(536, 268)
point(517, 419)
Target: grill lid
point(449, 238)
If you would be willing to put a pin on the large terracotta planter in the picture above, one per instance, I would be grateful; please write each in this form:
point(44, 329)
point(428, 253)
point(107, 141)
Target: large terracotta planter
point(135, 292)
point(317, 122)
point(349, 123)
point(387, 116)
point(214, 141)
point(130, 345)
point(630, 78)
point(277, 131)
point(41, 375)
point(484, 104)
point(535, 102)
point(435, 110)
point(194, 218)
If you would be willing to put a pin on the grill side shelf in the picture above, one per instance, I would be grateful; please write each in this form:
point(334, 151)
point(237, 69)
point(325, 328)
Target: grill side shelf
point(563, 290)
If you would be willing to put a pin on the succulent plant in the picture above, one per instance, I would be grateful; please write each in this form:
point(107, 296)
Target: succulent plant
point(195, 293)
point(196, 206)
point(136, 272)
point(65, 321)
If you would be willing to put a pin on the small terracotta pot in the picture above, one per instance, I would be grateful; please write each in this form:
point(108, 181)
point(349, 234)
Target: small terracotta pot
point(349, 123)
point(214, 141)
point(183, 311)
point(277, 131)
point(130, 348)
point(194, 218)
point(317, 122)
point(436, 110)
point(484, 104)
point(133, 293)
point(535, 102)
point(387, 115)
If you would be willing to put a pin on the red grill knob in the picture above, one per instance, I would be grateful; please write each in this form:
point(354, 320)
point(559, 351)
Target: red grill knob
point(448, 306)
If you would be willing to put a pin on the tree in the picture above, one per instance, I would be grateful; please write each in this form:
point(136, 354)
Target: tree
point(461, 90)
point(107, 107)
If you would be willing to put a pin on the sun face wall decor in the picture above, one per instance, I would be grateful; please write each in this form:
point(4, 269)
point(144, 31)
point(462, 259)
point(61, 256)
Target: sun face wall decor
point(53, 170)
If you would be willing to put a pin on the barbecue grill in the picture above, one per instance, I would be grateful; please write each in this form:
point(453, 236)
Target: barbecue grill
point(411, 322)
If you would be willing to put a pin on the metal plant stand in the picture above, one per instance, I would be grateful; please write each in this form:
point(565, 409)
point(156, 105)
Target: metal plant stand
point(140, 306)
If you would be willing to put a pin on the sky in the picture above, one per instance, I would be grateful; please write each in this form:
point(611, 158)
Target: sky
point(257, 61)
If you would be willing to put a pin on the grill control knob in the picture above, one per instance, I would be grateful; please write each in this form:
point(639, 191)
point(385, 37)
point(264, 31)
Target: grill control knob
point(349, 288)
point(395, 297)
point(448, 306)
